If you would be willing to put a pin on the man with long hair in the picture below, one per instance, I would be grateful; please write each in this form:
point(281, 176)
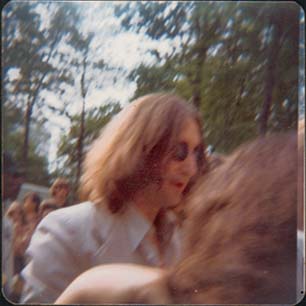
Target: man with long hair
point(143, 164)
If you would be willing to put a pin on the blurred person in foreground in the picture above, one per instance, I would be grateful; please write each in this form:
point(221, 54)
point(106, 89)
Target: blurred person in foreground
point(240, 242)
point(142, 165)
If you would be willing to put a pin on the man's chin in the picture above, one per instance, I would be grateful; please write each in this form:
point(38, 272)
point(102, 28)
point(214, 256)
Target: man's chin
point(173, 203)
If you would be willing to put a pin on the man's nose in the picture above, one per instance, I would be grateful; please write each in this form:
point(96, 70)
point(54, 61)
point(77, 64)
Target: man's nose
point(189, 166)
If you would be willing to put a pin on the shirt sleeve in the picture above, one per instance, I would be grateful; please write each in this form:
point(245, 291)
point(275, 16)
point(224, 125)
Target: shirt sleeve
point(52, 260)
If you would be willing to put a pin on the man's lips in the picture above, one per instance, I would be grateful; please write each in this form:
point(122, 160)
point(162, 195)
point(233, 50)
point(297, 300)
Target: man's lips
point(179, 185)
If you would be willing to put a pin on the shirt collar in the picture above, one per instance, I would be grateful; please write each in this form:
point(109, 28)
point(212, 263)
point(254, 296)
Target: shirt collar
point(129, 225)
point(136, 225)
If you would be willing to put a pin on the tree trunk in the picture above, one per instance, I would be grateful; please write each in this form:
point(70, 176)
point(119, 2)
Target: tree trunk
point(29, 110)
point(80, 142)
point(82, 126)
point(200, 60)
point(270, 77)
point(27, 124)
point(197, 82)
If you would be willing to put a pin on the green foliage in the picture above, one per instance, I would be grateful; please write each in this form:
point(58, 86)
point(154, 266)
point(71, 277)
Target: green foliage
point(153, 79)
point(223, 56)
point(220, 53)
point(12, 143)
point(95, 120)
point(31, 48)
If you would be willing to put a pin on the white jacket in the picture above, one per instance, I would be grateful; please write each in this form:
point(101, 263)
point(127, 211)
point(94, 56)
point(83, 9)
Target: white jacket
point(71, 240)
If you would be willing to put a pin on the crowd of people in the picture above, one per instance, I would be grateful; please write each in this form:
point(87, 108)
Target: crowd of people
point(21, 219)
point(137, 178)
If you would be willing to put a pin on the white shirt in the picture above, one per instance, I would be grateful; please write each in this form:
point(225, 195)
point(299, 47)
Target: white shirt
point(71, 240)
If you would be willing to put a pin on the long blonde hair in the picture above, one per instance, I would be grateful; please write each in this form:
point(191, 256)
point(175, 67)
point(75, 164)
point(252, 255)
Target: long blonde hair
point(127, 154)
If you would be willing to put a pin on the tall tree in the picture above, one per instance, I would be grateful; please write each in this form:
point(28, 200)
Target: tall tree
point(191, 28)
point(225, 59)
point(13, 131)
point(282, 26)
point(32, 49)
point(86, 66)
point(68, 149)
point(82, 44)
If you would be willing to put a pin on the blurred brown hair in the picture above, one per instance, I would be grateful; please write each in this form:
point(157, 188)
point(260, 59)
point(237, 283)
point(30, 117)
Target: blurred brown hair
point(127, 154)
point(34, 197)
point(240, 243)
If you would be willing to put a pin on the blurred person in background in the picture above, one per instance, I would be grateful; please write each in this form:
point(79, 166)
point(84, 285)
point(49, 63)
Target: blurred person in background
point(140, 167)
point(16, 248)
point(31, 203)
point(10, 222)
point(16, 216)
point(59, 191)
point(26, 221)
point(12, 178)
point(24, 218)
point(46, 207)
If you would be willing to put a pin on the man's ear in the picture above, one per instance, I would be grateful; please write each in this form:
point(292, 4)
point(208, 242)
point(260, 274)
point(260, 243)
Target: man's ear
point(155, 293)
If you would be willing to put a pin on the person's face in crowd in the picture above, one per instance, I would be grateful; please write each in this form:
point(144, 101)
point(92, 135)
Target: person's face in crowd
point(61, 193)
point(29, 206)
point(15, 213)
point(182, 165)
